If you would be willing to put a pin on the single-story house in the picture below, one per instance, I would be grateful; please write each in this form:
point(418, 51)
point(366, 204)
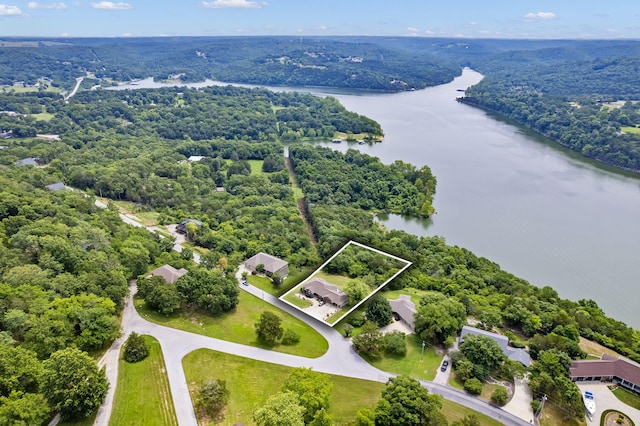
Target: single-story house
point(514, 354)
point(329, 293)
point(55, 186)
point(26, 162)
point(169, 273)
point(404, 310)
point(195, 158)
point(182, 226)
point(272, 265)
point(607, 369)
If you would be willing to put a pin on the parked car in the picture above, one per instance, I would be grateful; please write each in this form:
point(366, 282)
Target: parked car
point(244, 282)
point(445, 364)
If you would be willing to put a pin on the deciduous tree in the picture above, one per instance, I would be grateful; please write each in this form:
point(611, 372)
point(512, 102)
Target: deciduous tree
point(405, 402)
point(73, 384)
point(269, 328)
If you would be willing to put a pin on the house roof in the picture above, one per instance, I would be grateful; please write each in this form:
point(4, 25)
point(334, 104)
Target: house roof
point(271, 263)
point(169, 273)
point(197, 222)
point(405, 308)
point(515, 354)
point(26, 162)
point(327, 290)
point(55, 186)
point(195, 158)
point(607, 366)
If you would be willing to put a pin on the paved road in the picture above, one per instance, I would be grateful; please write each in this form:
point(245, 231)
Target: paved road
point(340, 359)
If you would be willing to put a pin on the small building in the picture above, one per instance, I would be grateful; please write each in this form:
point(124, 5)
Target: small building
point(404, 309)
point(607, 369)
point(182, 226)
point(514, 354)
point(272, 265)
point(169, 273)
point(56, 186)
point(195, 158)
point(26, 162)
point(329, 293)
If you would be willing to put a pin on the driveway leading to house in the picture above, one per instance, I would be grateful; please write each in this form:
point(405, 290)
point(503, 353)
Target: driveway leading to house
point(520, 403)
point(606, 400)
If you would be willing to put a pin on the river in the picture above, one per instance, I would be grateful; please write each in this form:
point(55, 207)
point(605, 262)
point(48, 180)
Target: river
point(541, 212)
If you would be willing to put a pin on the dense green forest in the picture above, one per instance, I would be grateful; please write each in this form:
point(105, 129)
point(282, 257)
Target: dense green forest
point(276, 61)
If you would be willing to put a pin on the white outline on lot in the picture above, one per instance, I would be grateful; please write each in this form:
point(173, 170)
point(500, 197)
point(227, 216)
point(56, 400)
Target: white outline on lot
point(295, 288)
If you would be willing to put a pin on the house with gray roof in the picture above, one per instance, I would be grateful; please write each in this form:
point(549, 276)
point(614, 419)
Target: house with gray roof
point(169, 273)
point(55, 186)
point(329, 293)
point(514, 354)
point(26, 162)
point(404, 309)
point(272, 265)
point(607, 369)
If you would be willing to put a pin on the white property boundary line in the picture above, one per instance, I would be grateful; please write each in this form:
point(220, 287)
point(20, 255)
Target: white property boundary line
point(357, 305)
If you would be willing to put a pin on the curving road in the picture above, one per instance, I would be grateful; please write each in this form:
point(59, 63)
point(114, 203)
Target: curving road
point(340, 359)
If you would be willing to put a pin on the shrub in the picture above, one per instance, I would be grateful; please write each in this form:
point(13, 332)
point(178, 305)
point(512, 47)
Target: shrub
point(213, 396)
point(348, 329)
point(290, 337)
point(394, 343)
point(356, 319)
point(135, 348)
point(500, 396)
point(473, 386)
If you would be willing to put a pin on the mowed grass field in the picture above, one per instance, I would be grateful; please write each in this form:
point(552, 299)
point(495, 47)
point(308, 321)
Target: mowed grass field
point(143, 397)
point(239, 326)
point(251, 382)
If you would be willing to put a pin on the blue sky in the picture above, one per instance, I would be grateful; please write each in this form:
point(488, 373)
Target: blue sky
point(425, 18)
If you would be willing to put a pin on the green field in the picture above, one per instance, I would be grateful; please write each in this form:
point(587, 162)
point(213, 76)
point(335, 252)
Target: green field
point(143, 396)
point(410, 364)
point(239, 326)
point(251, 382)
point(256, 166)
point(632, 130)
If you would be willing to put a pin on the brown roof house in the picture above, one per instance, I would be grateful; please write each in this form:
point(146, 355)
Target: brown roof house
point(272, 265)
point(317, 287)
point(169, 273)
point(514, 354)
point(404, 309)
point(607, 369)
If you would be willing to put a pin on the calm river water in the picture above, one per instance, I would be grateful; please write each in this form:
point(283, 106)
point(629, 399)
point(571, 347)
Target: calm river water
point(542, 213)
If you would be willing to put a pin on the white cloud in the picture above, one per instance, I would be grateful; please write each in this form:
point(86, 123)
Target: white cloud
point(413, 30)
point(7, 10)
point(107, 5)
point(36, 5)
point(540, 16)
point(241, 4)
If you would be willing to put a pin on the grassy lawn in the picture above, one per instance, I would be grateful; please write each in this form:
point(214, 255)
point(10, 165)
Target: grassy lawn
point(143, 387)
point(296, 275)
point(296, 301)
point(632, 130)
point(239, 326)
point(43, 116)
point(339, 280)
point(552, 416)
point(414, 293)
point(265, 379)
point(256, 166)
point(628, 398)
point(454, 382)
point(596, 349)
point(84, 422)
point(411, 364)
point(487, 390)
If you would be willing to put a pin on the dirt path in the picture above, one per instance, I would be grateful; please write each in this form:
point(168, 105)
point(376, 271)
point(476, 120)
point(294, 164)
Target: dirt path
point(302, 207)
